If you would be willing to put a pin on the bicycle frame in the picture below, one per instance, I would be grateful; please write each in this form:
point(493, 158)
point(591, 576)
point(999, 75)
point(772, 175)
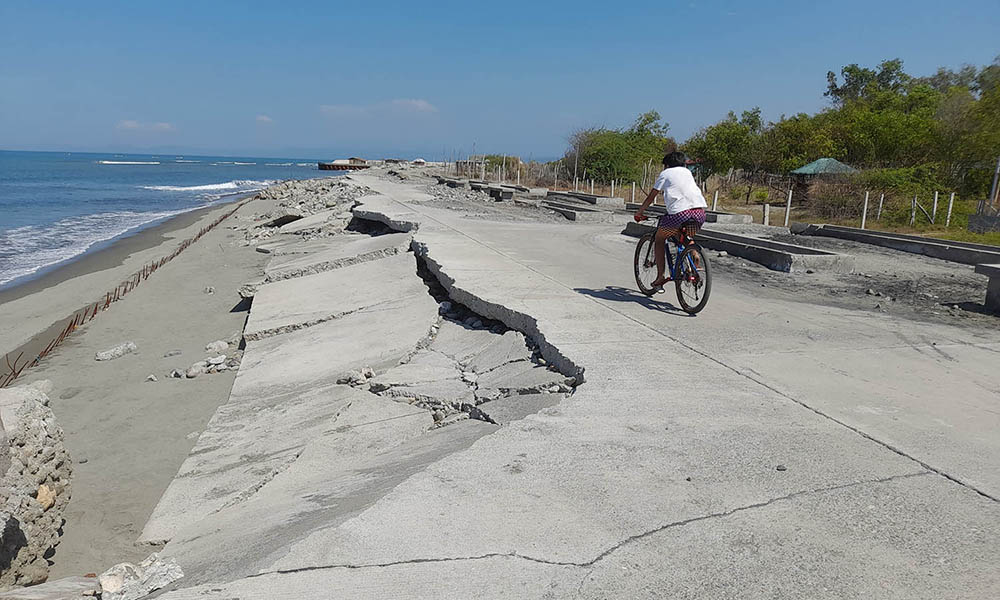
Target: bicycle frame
point(682, 241)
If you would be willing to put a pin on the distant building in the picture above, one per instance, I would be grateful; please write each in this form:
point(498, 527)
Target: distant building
point(344, 164)
point(818, 170)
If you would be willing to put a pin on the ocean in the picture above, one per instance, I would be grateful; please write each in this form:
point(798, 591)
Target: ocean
point(55, 206)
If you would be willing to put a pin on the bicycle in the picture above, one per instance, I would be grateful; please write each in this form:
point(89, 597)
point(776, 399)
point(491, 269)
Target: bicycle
point(690, 272)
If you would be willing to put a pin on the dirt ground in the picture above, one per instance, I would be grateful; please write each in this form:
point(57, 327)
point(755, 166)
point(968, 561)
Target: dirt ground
point(909, 285)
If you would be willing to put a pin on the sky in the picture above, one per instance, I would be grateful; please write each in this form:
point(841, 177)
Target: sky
point(437, 79)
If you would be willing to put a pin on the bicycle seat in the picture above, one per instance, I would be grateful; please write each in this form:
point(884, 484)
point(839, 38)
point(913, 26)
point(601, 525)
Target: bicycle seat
point(690, 227)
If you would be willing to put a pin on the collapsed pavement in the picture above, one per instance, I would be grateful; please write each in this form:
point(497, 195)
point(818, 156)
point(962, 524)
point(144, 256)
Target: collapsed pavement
point(358, 370)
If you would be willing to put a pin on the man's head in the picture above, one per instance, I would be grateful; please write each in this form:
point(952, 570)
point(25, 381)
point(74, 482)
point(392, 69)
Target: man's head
point(674, 159)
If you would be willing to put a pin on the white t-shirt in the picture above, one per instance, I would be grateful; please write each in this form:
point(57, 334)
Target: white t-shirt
point(680, 190)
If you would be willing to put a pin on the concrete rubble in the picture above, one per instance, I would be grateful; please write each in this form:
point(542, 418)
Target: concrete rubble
point(117, 352)
point(126, 581)
point(35, 486)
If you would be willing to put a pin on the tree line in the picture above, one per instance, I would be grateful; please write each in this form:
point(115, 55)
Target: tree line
point(939, 131)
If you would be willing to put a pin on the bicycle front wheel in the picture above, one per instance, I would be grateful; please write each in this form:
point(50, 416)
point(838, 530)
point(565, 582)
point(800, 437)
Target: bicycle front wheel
point(645, 264)
point(694, 279)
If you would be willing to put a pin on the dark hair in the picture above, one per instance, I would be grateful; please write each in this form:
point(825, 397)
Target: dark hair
point(675, 159)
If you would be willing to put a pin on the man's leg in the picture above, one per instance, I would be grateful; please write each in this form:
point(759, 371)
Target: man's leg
point(660, 252)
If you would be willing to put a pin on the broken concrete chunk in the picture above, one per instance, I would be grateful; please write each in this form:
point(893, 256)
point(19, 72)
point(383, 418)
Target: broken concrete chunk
point(126, 581)
point(217, 346)
point(117, 352)
point(510, 347)
point(521, 377)
point(151, 377)
point(282, 217)
point(216, 360)
point(248, 290)
point(514, 408)
point(461, 343)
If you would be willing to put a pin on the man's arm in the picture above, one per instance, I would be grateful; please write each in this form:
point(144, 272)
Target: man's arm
point(640, 214)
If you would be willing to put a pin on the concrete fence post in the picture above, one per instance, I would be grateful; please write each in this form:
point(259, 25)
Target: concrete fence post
point(767, 214)
point(519, 176)
point(913, 211)
point(881, 199)
point(864, 212)
point(715, 201)
point(591, 186)
point(788, 207)
point(612, 188)
point(633, 192)
point(576, 184)
point(934, 209)
point(951, 202)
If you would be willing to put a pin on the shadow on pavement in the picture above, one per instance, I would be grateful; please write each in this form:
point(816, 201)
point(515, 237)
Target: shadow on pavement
point(620, 294)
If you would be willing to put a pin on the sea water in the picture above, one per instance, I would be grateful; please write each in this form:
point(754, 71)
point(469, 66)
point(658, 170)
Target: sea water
point(55, 206)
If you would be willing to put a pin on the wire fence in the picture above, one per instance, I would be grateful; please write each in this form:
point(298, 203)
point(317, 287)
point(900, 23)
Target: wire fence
point(14, 365)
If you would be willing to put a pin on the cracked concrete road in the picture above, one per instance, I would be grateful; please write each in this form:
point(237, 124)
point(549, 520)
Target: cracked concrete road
point(761, 450)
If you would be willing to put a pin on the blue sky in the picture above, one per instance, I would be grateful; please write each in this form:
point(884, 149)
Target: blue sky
point(324, 79)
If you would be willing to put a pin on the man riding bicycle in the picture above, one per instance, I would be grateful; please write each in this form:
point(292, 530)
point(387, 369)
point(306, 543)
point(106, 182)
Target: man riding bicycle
point(684, 202)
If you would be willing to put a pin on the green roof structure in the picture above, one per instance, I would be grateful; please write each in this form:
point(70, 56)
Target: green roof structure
point(825, 166)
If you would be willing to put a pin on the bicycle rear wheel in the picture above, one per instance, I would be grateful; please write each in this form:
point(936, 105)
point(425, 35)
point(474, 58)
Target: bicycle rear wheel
point(645, 264)
point(694, 279)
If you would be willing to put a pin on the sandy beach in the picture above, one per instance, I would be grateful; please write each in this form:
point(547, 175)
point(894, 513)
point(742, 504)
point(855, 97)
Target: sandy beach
point(127, 436)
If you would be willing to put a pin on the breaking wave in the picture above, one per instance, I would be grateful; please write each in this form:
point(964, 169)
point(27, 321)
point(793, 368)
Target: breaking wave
point(25, 250)
point(237, 185)
point(127, 162)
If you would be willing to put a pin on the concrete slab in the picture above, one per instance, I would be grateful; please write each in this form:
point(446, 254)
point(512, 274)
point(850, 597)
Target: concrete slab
point(776, 256)
point(335, 478)
point(461, 342)
point(293, 244)
point(415, 374)
point(960, 252)
point(341, 251)
point(296, 303)
point(378, 337)
point(522, 376)
point(577, 213)
point(68, 588)
point(992, 302)
point(248, 441)
point(315, 221)
point(506, 348)
point(506, 410)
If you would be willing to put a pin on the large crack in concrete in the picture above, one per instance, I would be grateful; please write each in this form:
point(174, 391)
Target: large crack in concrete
point(610, 550)
point(468, 366)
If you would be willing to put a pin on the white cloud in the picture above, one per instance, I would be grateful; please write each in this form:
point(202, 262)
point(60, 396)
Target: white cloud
point(415, 105)
point(133, 125)
point(264, 119)
point(397, 106)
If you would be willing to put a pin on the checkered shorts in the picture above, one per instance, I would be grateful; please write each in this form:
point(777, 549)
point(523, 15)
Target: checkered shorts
point(674, 222)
